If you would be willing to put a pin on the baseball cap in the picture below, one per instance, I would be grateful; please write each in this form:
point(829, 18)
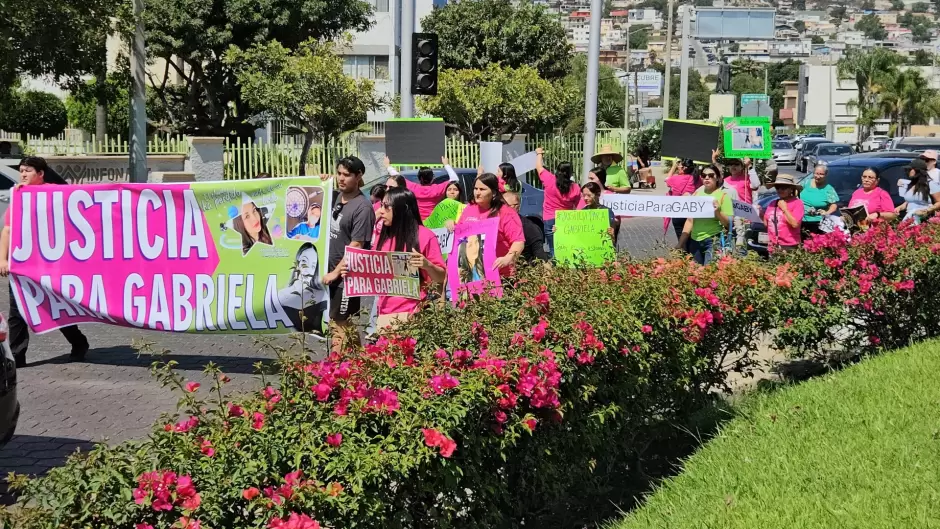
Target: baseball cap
point(916, 163)
point(929, 155)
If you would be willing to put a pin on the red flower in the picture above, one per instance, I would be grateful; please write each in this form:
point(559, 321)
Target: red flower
point(235, 411)
point(251, 493)
point(191, 387)
point(334, 440)
point(538, 331)
point(188, 523)
point(293, 478)
point(436, 439)
point(294, 521)
point(206, 448)
point(447, 447)
point(500, 416)
point(441, 383)
point(647, 329)
point(143, 526)
point(530, 424)
point(257, 420)
point(223, 378)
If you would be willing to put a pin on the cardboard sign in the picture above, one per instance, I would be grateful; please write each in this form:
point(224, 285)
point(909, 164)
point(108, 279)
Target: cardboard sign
point(470, 266)
point(446, 210)
point(747, 137)
point(445, 239)
point(689, 139)
point(745, 211)
point(371, 273)
point(415, 142)
point(581, 237)
point(491, 155)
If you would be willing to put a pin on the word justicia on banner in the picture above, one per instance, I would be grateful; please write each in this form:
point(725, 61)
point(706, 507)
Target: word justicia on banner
point(660, 206)
point(239, 257)
point(371, 273)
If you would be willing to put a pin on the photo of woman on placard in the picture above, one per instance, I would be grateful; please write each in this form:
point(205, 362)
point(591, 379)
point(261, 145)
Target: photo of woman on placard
point(252, 224)
point(305, 298)
point(470, 259)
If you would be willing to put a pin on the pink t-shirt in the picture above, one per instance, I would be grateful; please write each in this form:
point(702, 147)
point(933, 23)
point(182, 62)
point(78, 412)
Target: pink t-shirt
point(510, 229)
point(429, 247)
point(741, 184)
point(779, 230)
point(376, 206)
point(554, 200)
point(681, 184)
point(428, 196)
point(878, 201)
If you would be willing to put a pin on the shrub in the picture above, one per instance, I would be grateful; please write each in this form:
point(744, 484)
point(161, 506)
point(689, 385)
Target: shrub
point(494, 414)
point(33, 112)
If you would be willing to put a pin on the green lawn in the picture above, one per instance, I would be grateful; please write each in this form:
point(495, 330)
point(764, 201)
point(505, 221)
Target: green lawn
point(855, 449)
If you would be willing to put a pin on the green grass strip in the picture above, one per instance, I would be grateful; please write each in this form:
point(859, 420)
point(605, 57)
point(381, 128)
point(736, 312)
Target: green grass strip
point(855, 449)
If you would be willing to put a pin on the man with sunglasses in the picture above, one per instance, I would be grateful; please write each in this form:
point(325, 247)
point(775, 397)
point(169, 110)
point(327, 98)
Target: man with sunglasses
point(351, 225)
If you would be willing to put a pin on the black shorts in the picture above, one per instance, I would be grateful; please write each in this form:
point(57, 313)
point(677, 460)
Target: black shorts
point(342, 308)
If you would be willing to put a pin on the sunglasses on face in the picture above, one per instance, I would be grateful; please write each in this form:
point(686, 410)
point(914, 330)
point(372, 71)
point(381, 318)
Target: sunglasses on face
point(709, 175)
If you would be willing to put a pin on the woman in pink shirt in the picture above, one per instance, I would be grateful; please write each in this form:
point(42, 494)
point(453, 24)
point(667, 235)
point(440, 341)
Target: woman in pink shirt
point(875, 199)
point(402, 231)
point(681, 185)
point(560, 193)
point(426, 191)
point(488, 203)
point(784, 216)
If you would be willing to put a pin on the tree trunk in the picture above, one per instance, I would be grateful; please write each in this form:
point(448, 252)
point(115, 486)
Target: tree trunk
point(308, 141)
point(101, 98)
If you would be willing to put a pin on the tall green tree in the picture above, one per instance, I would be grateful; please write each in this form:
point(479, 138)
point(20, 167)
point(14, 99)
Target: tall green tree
point(870, 69)
point(799, 26)
point(906, 98)
point(837, 14)
point(476, 33)
point(777, 73)
point(610, 93)
point(897, 5)
point(33, 112)
point(920, 7)
point(193, 36)
point(306, 86)
point(923, 58)
point(871, 26)
point(486, 104)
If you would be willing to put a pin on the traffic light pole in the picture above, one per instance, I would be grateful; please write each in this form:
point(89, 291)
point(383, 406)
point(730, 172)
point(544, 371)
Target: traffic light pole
point(590, 98)
point(407, 106)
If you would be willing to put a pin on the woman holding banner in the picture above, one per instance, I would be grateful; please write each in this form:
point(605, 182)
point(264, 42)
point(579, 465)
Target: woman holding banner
point(426, 191)
point(402, 231)
point(560, 193)
point(489, 203)
point(698, 235)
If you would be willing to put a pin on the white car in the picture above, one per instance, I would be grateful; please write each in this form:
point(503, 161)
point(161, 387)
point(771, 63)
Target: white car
point(873, 143)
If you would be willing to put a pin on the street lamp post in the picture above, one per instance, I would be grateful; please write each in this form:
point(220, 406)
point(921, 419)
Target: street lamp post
point(590, 96)
point(137, 139)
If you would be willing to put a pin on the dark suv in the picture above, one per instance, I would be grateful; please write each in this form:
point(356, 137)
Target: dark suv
point(845, 175)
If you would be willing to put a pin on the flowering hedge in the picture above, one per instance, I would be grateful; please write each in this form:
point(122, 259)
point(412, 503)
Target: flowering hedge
point(497, 413)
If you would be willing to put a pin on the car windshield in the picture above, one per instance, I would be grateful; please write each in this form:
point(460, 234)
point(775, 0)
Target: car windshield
point(833, 150)
point(782, 145)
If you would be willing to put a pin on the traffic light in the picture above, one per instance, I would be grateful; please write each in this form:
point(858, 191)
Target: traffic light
point(424, 64)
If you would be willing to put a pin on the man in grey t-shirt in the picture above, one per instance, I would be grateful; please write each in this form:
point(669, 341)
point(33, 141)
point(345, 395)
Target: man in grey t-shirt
point(351, 225)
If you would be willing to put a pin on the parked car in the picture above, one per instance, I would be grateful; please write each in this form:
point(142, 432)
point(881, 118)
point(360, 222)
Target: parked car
point(803, 151)
point(915, 143)
point(824, 153)
point(784, 153)
point(9, 405)
point(873, 143)
point(845, 175)
point(783, 137)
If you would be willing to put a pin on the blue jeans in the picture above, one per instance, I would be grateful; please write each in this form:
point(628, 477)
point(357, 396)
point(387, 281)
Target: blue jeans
point(550, 236)
point(702, 251)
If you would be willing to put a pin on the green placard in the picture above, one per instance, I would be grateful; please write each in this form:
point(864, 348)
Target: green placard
point(747, 137)
point(447, 209)
point(581, 237)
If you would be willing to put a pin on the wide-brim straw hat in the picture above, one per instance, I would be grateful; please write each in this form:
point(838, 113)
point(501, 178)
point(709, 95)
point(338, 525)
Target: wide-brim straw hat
point(608, 150)
point(785, 180)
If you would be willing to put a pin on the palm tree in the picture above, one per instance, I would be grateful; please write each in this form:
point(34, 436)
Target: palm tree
point(906, 98)
point(869, 69)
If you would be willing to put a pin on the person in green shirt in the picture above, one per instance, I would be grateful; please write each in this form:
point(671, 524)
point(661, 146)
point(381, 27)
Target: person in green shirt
point(699, 234)
point(618, 179)
point(819, 198)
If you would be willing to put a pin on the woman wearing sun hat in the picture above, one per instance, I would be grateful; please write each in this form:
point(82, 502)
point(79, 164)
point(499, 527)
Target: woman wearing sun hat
point(784, 216)
point(618, 180)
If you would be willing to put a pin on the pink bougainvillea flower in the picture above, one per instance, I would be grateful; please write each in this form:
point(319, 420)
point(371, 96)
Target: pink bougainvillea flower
point(257, 420)
point(191, 503)
point(322, 391)
point(187, 425)
point(334, 439)
point(436, 439)
point(143, 526)
point(447, 447)
point(206, 448)
point(538, 331)
point(188, 523)
point(293, 478)
point(294, 521)
point(191, 387)
point(223, 378)
point(530, 424)
point(647, 329)
point(500, 416)
point(235, 411)
point(251, 493)
point(441, 383)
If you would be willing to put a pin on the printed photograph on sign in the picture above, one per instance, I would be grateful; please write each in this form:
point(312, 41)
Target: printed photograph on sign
point(200, 257)
point(304, 208)
point(747, 137)
point(470, 264)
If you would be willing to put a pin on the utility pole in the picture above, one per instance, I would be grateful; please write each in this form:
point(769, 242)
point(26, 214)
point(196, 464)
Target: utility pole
point(668, 71)
point(590, 107)
point(684, 62)
point(138, 119)
point(765, 80)
point(407, 107)
point(626, 89)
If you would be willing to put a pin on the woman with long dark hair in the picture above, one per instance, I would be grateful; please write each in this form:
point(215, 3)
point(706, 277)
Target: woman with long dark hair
point(470, 260)
point(506, 174)
point(305, 297)
point(560, 193)
point(253, 226)
point(455, 192)
point(921, 194)
point(427, 193)
point(402, 231)
point(489, 203)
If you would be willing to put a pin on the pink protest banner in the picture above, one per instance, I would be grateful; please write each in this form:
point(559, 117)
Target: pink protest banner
point(470, 265)
point(371, 273)
point(234, 257)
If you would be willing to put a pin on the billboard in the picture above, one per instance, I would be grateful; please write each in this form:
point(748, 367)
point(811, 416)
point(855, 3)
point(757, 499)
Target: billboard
point(734, 23)
point(649, 82)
